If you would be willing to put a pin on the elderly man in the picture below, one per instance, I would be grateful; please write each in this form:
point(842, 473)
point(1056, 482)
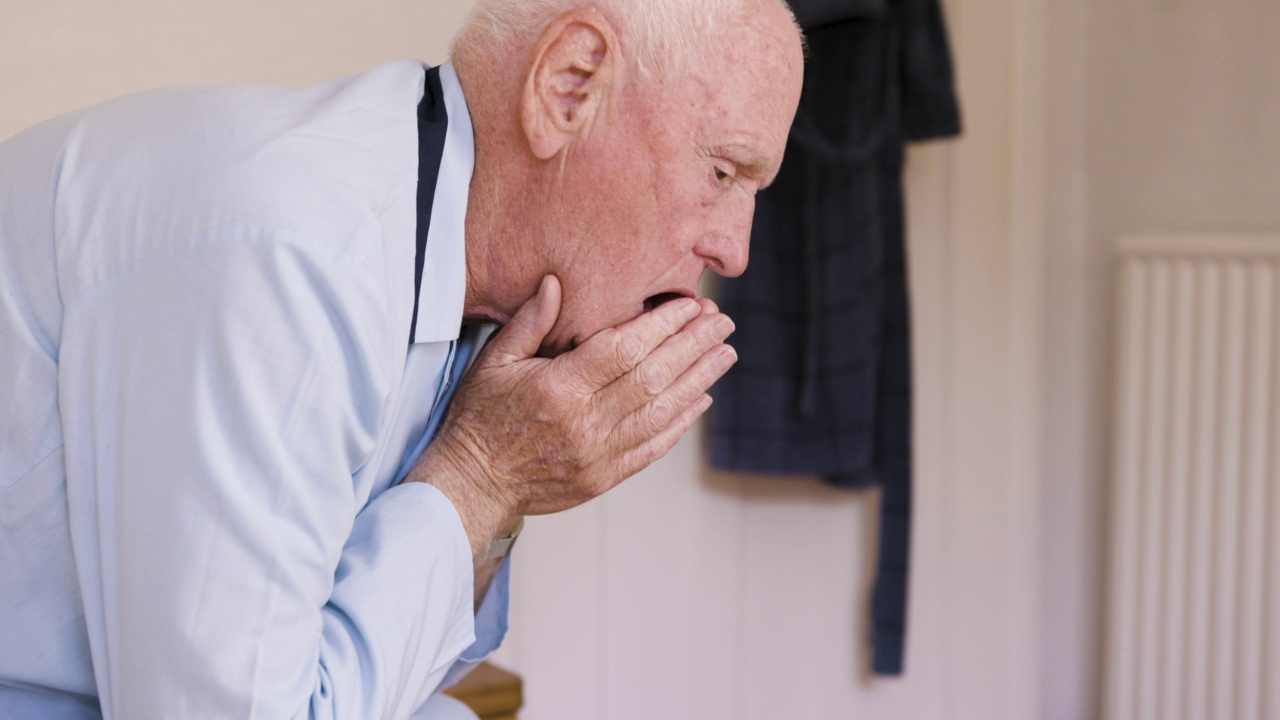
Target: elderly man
point(233, 318)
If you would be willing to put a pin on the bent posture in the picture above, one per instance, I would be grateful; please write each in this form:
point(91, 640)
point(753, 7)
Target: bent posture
point(255, 451)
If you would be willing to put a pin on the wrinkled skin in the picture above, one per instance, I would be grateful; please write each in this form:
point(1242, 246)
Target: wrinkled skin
point(575, 425)
point(599, 194)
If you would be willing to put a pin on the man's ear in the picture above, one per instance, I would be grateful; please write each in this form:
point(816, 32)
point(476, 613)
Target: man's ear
point(569, 81)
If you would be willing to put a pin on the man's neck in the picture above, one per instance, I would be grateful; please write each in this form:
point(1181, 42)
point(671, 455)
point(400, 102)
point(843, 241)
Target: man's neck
point(502, 266)
point(503, 263)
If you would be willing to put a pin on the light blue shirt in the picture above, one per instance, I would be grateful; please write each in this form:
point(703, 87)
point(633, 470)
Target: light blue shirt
point(206, 405)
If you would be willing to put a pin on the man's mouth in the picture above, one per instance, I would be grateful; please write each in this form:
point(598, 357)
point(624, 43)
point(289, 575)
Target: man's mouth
point(654, 301)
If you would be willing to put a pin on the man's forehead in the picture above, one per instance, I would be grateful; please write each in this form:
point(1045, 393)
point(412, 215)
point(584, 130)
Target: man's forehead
point(738, 103)
point(749, 118)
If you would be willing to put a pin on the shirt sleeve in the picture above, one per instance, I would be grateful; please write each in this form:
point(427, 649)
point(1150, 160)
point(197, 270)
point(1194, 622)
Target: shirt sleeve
point(216, 403)
point(491, 627)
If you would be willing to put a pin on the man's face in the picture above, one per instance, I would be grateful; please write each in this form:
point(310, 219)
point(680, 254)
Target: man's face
point(663, 187)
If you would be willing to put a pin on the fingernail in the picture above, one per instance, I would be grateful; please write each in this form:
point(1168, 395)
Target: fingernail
point(727, 358)
point(689, 308)
point(724, 326)
point(542, 291)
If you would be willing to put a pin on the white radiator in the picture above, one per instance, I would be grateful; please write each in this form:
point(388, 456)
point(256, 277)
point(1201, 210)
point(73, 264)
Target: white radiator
point(1193, 617)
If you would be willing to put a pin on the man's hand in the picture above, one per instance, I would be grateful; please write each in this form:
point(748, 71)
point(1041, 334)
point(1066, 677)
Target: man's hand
point(528, 435)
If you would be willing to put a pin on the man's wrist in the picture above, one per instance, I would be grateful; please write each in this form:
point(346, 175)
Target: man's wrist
point(484, 514)
point(501, 545)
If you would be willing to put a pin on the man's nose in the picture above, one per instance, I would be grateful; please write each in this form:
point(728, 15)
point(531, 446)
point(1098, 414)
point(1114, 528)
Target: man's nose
point(726, 249)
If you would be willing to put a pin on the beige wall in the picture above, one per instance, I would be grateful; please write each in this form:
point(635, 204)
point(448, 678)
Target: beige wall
point(1184, 116)
point(1164, 120)
point(56, 55)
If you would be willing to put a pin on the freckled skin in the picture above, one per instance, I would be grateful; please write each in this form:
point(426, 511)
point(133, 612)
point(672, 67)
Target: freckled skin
point(595, 189)
point(634, 207)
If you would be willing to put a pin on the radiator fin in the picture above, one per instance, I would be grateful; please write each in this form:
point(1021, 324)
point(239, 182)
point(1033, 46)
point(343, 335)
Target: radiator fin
point(1193, 617)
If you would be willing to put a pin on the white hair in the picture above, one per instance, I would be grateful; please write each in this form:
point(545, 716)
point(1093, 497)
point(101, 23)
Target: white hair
point(658, 34)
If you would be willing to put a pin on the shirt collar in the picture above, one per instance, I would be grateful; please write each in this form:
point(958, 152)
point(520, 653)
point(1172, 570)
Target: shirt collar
point(443, 288)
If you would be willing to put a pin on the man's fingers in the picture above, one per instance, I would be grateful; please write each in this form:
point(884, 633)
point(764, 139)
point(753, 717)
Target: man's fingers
point(521, 338)
point(612, 353)
point(644, 454)
point(672, 359)
point(658, 412)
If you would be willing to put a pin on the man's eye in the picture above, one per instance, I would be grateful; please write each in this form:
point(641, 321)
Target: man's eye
point(722, 176)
